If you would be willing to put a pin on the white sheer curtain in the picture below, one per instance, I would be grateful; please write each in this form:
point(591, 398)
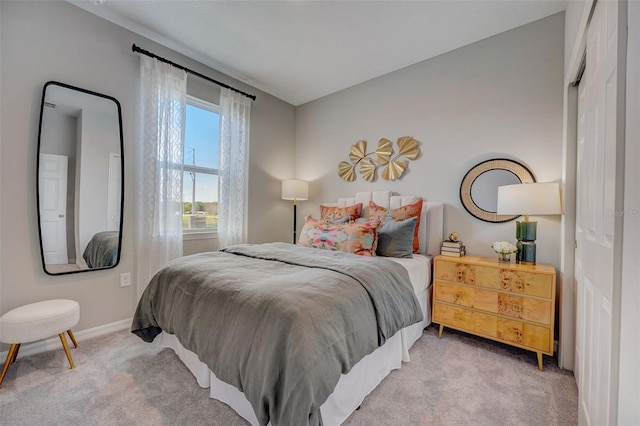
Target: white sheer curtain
point(158, 153)
point(234, 168)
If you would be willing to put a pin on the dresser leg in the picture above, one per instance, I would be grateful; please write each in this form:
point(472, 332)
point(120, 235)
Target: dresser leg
point(540, 367)
point(440, 331)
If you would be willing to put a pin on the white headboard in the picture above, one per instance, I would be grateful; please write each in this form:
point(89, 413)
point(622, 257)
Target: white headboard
point(431, 220)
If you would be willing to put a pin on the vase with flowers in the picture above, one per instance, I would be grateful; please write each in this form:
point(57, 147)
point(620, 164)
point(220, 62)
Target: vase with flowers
point(504, 250)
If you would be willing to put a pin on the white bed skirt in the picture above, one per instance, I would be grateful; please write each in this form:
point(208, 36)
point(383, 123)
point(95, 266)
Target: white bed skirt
point(351, 389)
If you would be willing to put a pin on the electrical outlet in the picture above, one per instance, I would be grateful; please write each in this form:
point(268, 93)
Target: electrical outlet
point(125, 279)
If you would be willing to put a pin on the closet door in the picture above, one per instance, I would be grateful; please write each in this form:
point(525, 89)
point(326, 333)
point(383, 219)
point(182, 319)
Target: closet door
point(598, 223)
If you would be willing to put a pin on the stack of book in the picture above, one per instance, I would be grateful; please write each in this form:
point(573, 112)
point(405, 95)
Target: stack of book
point(452, 248)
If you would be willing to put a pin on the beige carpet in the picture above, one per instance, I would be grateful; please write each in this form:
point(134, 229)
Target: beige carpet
point(120, 380)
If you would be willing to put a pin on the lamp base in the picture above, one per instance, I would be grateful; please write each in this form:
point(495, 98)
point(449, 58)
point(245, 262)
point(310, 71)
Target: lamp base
point(526, 252)
point(294, 221)
point(526, 230)
point(526, 235)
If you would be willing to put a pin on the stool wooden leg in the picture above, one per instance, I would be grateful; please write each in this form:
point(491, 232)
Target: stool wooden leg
point(12, 349)
point(66, 349)
point(73, 339)
point(15, 354)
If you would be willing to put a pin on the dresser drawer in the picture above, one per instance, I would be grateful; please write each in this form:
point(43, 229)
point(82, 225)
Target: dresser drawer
point(457, 272)
point(515, 281)
point(494, 302)
point(513, 332)
point(505, 279)
point(465, 319)
point(524, 334)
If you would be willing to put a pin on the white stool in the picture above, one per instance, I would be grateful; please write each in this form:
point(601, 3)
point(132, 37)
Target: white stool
point(38, 321)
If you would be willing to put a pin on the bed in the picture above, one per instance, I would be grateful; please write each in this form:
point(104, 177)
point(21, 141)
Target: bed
point(341, 392)
point(102, 249)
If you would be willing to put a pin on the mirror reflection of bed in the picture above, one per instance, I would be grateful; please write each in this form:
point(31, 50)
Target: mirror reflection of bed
point(79, 179)
point(102, 250)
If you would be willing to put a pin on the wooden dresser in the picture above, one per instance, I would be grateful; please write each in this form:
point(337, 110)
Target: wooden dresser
point(510, 303)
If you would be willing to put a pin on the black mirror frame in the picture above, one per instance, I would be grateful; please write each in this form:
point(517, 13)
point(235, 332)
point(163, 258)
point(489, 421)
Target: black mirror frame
point(521, 171)
point(122, 176)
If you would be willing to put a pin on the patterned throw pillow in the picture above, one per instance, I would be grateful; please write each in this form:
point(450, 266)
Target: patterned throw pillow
point(336, 213)
point(352, 237)
point(402, 213)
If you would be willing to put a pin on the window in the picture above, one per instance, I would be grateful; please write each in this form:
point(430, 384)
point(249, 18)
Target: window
point(201, 162)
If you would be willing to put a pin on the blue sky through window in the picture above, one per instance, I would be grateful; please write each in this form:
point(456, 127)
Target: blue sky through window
point(202, 133)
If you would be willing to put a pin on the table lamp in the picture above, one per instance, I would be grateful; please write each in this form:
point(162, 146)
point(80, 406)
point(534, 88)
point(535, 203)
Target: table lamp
point(528, 199)
point(295, 189)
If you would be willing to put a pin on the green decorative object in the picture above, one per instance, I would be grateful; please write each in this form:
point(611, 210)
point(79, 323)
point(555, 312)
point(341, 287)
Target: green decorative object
point(526, 235)
point(526, 230)
point(526, 252)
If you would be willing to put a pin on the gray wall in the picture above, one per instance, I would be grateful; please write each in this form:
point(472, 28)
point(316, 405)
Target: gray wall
point(497, 98)
point(44, 41)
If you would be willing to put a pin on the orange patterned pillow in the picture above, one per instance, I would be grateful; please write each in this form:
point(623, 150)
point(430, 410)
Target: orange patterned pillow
point(402, 213)
point(333, 213)
point(352, 237)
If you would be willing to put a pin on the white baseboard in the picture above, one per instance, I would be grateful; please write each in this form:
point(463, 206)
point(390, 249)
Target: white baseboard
point(54, 342)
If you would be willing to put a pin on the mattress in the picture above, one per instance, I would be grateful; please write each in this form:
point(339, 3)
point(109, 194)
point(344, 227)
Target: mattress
point(352, 387)
point(419, 270)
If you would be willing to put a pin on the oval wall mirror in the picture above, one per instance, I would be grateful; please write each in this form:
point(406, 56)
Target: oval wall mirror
point(479, 187)
point(80, 182)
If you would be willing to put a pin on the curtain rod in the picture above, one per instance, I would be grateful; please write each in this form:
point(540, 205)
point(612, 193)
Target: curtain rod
point(581, 70)
point(135, 48)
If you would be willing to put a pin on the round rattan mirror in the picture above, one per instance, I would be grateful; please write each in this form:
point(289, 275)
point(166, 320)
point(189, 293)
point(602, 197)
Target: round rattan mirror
point(479, 187)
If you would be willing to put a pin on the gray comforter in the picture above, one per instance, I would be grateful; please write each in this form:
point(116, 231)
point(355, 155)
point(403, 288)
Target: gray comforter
point(279, 322)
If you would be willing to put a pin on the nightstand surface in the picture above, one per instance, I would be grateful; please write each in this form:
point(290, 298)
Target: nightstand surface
point(507, 302)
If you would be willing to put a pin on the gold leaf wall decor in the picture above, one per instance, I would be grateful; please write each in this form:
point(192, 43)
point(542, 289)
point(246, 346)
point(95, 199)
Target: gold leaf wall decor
point(408, 148)
point(394, 170)
point(346, 171)
point(358, 152)
point(384, 151)
point(368, 169)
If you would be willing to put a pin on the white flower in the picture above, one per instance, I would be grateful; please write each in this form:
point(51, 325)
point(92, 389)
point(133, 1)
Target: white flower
point(504, 247)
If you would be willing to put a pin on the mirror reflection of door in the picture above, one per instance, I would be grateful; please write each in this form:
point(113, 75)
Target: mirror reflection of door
point(85, 129)
point(53, 208)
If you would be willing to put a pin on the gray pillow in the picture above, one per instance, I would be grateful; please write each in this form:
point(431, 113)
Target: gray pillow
point(395, 237)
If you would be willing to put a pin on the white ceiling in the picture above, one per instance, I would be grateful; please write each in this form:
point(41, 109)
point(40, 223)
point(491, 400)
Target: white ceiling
point(302, 50)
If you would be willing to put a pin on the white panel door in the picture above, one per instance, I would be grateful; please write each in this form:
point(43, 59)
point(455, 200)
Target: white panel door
point(53, 208)
point(597, 222)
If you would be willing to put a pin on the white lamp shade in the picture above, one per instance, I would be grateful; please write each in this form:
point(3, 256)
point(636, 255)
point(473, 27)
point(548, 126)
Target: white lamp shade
point(295, 189)
point(529, 199)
